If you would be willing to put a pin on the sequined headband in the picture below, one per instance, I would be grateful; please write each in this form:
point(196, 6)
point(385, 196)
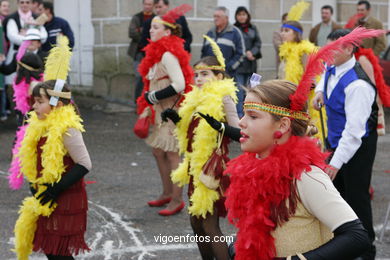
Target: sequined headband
point(171, 25)
point(292, 27)
point(214, 67)
point(280, 111)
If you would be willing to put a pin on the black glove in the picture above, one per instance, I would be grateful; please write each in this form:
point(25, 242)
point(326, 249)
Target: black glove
point(170, 114)
point(54, 190)
point(233, 133)
point(154, 97)
point(212, 121)
point(32, 189)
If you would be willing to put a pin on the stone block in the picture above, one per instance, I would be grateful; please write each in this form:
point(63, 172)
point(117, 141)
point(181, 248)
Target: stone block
point(307, 15)
point(383, 13)
point(265, 9)
point(104, 8)
point(97, 32)
point(104, 61)
point(198, 28)
point(267, 74)
point(116, 32)
point(345, 11)
point(269, 58)
point(100, 86)
point(125, 61)
point(195, 53)
point(266, 31)
point(128, 8)
point(205, 8)
point(120, 87)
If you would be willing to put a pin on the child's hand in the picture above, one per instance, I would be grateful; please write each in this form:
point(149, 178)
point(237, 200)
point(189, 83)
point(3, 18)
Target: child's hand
point(2, 57)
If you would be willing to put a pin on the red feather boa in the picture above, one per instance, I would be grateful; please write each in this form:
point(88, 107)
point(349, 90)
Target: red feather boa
point(154, 52)
point(259, 186)
point(383, 89)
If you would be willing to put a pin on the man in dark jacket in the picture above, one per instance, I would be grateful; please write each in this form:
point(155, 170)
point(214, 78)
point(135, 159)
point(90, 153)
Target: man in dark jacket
point(320, 32)
point(161, 7)
point(54, 26)
point(135, 34)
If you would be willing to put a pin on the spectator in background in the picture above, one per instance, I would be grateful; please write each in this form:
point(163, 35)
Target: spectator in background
point(377, 44)
point(15, 27)
point(229, 39)
point(4, 9)
point(55, 25)
point(277, 41)
point(252, 53)
point(319, 33)
point(161, 7)
point(37, 7)
point(135, 34)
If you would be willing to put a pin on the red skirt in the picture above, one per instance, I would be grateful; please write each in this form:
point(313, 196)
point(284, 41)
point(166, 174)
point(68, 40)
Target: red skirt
point(62, 233)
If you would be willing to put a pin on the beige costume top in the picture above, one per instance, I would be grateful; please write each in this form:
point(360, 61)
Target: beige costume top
point(320, 211)
point(161, 75)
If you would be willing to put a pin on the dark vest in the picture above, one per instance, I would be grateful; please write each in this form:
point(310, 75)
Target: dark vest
point(16, 18)
point(335, 105)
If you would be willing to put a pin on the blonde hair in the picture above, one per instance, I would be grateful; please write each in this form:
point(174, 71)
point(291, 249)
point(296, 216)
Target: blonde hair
point(277, 93)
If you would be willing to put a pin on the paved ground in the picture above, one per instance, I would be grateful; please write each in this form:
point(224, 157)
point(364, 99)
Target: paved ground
point(121, 225)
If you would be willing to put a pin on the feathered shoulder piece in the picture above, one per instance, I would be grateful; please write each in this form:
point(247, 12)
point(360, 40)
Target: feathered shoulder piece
point(316, 62)
point(169, 19)
point(218, 54)
point(297, 10)
point(57, 68)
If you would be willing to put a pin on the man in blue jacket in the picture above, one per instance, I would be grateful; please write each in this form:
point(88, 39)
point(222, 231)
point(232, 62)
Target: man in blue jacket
point(229, 39)
point(54, 26)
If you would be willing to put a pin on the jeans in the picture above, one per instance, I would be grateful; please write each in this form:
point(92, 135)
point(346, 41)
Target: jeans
point(138, 79)
point(242, 79)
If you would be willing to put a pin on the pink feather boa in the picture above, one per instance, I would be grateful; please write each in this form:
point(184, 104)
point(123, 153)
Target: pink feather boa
point(15, 178)
point(21, 96)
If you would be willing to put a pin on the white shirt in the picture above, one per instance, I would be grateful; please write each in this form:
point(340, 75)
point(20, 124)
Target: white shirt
point(359, 97)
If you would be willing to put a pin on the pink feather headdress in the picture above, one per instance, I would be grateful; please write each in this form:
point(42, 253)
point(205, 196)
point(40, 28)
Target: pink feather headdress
point(316, 62)
point(353, 21)
point(171, 16)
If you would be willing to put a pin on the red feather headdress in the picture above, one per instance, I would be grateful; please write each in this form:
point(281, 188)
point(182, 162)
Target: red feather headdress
point(171, 16)
point(316, 62)
point(353, 21)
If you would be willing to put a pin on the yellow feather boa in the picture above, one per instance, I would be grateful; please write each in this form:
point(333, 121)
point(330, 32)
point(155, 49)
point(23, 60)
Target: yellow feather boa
point(54, 126)
point(292, 53)
point(208, 100)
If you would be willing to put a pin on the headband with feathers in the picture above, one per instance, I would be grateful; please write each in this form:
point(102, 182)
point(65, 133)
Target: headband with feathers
point(218, 54)
point(297, 10)
point(57, 67)
point(316, 63)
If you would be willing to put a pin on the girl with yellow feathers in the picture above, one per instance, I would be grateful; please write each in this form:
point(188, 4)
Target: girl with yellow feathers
point(54, 159)
point(205, 150)
point(294, 52)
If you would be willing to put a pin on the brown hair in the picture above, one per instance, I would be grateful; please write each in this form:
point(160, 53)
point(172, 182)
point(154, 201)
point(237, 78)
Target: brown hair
point(50, 85)
point(298, 36)
point(277, 92)
point(212, 61)
point(174, 31)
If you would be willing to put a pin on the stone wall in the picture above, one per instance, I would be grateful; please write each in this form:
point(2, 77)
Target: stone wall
point(113, 71)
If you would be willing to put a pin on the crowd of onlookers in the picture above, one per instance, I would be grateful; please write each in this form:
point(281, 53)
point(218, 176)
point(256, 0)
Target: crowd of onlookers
point(33, 21)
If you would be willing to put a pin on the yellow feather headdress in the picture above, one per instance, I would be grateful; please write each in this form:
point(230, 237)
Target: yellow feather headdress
point(57, 68)
point(218, 54)
point(297, 10)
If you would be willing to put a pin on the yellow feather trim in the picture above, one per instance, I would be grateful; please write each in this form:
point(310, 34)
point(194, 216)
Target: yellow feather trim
point(207, 99)
point(58, 62)
point(54, 126)
point(292, 53)
point(297, 10)
point(216, 50)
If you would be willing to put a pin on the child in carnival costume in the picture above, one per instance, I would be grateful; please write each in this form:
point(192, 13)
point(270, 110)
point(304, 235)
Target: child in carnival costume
point(294, 52)
point(280, 197)
point(205, 150)
point(54, 159)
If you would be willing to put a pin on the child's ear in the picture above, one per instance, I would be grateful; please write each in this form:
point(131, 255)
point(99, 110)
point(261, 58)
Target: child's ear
point(59, 103)
point(220, 76)
point(285, 124)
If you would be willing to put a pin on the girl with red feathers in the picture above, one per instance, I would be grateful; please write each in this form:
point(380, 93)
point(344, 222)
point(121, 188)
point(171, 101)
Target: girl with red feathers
point(166, 73)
